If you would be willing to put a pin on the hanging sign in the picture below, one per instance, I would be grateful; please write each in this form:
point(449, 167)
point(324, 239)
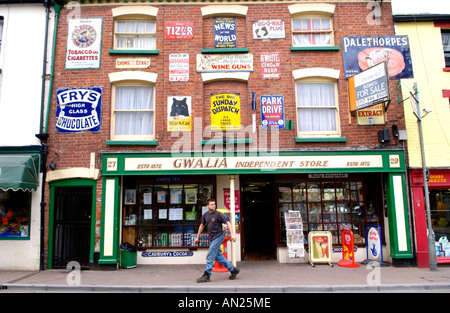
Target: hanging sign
point(348, 251)
point(84, 43)
point(79, 110)
point(226, 196)
point(179, 67)
point(179, 118)
point(360, 53)
point(225, 112)
point(225, 32)
point(369, 87)
point(178, 30)
point(270, 65)
point(272, 112)
point(207, 63)
point(268, 29)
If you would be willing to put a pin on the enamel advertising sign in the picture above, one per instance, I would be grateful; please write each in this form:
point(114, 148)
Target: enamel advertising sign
point(270, 65)
point(210, 63)
point(84, 43)
point(225, 32)
point(268, 29)
point(225, 112)
point(272, 112)
point(178, 30)
point(79, 110)
point(361, 53)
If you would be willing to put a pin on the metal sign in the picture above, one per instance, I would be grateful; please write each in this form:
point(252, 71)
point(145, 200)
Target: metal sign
point(369, 87)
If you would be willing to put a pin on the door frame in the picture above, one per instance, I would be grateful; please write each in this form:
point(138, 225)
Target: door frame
point(51, 214)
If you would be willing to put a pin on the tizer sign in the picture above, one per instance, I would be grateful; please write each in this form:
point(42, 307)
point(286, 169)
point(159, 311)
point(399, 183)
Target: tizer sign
point(179, 30)
point(272, 112)
point(79, 110)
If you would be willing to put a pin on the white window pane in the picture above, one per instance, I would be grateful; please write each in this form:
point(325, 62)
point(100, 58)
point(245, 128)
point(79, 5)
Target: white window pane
point(140, 27)
point(315, 94)
point(316, 120)
point(134, 98)
point(446, 41)
point(297, 24)
point(131, 26)
point(120, 27)
point(326, 24)
point(150, 27)
point(306, 24)
point(121, 41)
point(302, 40)
point(316, 24)
point(134, 123)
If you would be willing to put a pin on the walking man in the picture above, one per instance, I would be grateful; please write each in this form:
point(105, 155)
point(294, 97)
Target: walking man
point(213, 221)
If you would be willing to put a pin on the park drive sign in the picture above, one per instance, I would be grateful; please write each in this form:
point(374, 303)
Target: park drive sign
point(369, 87)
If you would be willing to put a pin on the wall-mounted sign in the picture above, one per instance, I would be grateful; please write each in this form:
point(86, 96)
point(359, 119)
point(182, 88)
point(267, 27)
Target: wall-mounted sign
point(207, 63)
point(83, 43)
point(225, 112)
point(178, 30)
point(129, 63)
point(153, 254)
point(272, 112)
point(360, 53)
point(270, 65)
point(179, 67)
point(225, 32)
point(369, 87)
point(373, 115)
point(179, 110)
point(79, 110)
point(268, 29)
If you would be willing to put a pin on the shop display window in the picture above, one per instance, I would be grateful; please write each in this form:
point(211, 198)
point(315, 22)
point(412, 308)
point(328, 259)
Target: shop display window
point(440, 216)
point(327, 206)
point(15, 214)
point(160, 215)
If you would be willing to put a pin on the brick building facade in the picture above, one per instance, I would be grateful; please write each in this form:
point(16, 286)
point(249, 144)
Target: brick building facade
point(127, 176)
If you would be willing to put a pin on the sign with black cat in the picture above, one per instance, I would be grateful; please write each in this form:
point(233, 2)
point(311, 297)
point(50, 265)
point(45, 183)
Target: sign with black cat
point(178, 110)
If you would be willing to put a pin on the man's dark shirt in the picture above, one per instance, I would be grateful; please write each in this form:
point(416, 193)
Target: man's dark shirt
point(213, 222)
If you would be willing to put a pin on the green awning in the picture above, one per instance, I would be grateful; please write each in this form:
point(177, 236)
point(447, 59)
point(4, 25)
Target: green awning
point(19, 171)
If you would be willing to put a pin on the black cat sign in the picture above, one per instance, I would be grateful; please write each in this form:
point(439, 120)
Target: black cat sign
point(179, 113)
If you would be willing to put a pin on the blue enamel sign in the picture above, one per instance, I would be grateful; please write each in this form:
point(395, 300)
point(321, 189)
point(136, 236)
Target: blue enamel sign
point(79, 109)
point(225, 32)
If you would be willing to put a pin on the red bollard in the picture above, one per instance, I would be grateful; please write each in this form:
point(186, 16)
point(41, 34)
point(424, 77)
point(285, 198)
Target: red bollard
point(219, 268)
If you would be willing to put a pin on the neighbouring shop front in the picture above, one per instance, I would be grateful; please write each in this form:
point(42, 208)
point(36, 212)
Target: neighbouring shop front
point(439, 194)
point(155, 201)
point(20, 199)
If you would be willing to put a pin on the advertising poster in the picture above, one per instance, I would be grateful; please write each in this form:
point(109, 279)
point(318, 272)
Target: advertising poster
point(179, 67)
point(178, 30)
point(348, 251)
point(373, 115)
point(211, 63)
point(225, 112)
point(272, 112)
point(225, 32)
point(319, 246)
point(79, 109)
point(83, 43)
point(270, 65)
point(179, 109)
point(373, 240)
point(360, 53)
point(268, 29)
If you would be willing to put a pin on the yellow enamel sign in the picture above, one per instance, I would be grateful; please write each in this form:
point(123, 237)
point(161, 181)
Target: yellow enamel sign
point(225, 112)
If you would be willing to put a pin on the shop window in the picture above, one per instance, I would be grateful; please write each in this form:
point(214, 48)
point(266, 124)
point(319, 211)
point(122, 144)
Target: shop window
point(327, 206)
point(317, 108)
point(445, 34)
point(14, 214)
point(1, 32)
point(133, 112)
point(165, 215)
point(312, 31)
point(440, 216)
point(135, 34)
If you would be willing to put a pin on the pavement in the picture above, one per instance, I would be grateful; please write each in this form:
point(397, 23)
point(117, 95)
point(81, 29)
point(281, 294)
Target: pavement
point(267, 276)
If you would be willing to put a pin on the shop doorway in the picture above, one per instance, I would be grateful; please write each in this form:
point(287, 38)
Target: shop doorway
point(258, 214)
point(72, 226)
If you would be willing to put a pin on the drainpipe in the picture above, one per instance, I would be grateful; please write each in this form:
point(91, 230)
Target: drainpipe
point(43, 135)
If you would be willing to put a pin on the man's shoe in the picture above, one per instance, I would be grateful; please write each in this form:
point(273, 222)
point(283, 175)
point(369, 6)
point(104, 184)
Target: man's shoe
point(204, 279)
point(234, 273)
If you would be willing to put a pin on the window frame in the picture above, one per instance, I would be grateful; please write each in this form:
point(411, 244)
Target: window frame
point(444, 51)
point(301, 16)
point(131, 83)
point(309, 134)
point(28, 195)
point(134, 18)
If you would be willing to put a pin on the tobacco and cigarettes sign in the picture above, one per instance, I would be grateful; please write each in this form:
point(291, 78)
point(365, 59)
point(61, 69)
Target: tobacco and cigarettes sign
point(83, 43)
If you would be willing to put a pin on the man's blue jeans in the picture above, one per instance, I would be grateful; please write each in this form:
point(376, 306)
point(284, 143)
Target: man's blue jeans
point(214, 254)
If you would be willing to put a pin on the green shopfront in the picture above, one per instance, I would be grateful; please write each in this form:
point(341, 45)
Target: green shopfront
point(154, 201)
